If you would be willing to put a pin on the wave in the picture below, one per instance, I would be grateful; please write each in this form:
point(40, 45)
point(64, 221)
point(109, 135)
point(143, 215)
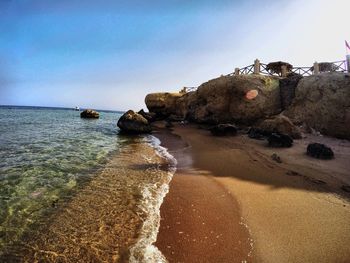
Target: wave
point(152, 198)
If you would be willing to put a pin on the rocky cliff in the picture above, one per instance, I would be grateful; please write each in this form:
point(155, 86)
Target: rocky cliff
point(320, 101)
point(221, 100)
point(323, 102)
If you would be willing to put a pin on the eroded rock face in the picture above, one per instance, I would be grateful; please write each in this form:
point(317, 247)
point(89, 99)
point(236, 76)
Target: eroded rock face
point(323, 103)
point(149, 116)
point(134, 123)
point(163, 104)
point(280, 124)
point(287, 88)
point(89, 114)
point(224, 100)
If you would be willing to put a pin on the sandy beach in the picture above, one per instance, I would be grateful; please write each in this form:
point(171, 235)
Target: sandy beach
point(295, 211)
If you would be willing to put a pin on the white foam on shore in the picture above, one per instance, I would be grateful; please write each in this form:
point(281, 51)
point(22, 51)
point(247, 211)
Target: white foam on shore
point(152, 198)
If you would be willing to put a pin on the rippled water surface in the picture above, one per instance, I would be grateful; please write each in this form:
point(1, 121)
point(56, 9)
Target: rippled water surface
point(45, 154)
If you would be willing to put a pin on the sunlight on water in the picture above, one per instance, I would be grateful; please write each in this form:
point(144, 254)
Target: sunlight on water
point(45, 154)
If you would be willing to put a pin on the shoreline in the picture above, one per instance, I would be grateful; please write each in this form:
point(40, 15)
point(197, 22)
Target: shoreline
point(295, 210)
point(200, 220)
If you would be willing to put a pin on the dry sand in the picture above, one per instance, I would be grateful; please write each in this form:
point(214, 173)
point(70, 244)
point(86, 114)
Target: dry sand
point(296, 210)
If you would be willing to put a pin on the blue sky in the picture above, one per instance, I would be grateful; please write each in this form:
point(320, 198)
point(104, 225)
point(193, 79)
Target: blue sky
point(108, 54)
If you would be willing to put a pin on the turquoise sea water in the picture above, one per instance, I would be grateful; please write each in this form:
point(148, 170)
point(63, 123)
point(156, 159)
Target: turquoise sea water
point(44, 155)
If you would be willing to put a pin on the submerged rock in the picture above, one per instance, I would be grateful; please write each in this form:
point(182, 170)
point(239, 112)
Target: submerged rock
point(280, 124)
point(132, 122)
point(224, 130)
point(280, 140)
point(89, 114)
point(319, 151)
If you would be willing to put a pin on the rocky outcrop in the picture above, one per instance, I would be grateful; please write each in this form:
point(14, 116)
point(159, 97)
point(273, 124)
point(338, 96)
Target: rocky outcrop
point(323, 103)
point(319, 151)
point(162, 104)
point(224, 100)
point(89, 114)
point(280, 124)
point(131, 122)
point(224, 130)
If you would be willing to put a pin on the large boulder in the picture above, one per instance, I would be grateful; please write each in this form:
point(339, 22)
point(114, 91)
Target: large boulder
point(149, 116)
point(319, 151)
point(323, 103)
point(162, 103)
point(132, 122)
point(225, 99)
point(280, 124)
point(89, 114)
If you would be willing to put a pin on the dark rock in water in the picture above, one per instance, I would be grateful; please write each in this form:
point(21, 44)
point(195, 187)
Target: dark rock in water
point(319, 151)
point(276, 158)
point(89, 114)
point(224, 130)
point(280, 140)
point(258, 134)
point(132, 122)
point(149, 116)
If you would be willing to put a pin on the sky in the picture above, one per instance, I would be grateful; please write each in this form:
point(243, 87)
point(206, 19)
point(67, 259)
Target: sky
point(108, 54)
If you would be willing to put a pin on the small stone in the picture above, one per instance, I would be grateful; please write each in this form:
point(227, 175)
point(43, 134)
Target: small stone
point(276, 158)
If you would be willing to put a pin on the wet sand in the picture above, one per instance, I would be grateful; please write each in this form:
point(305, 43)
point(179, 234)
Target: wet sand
point(296, 210)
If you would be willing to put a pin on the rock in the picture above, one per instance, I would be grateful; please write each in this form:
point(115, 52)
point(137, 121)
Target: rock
point(276, 158)
point(346, 188)
point(258, 134)
point(276, 67)
point(322, 102)
point(280, 124)
point(224, 130)
point(287, 89)
point(223, 100)
point(280, 140)
point(162, 104)
point(89, 114)
point(149, 116)
point(131, 122)
point(319, 151)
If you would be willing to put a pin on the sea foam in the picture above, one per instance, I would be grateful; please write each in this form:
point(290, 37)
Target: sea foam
point(153, 196)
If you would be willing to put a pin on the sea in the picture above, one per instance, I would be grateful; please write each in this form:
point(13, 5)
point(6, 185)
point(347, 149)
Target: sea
point(75, 190)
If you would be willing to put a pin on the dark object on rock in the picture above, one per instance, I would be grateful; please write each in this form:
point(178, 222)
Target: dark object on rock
point(132, 122)
point(258, 134)
point(346, 188)
point(287, 89)
point(293, 173)
point(169, 124)
point(149, 116)
point(276, 158)
point(276, 67)
point(89, 114)
point(224, 130)
point(280, 140)
point(325, 67)
point(319, 151)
